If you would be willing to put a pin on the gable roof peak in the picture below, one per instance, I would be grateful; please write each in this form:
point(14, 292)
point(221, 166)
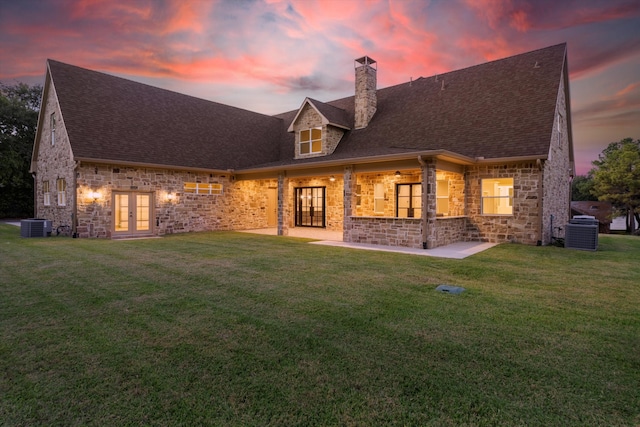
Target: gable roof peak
point(329, 114)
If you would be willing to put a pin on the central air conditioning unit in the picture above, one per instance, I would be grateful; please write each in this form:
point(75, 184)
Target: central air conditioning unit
point(582, 233)
point(35, 227)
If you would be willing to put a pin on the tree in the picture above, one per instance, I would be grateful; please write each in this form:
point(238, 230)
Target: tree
point(581, 188)
point(616, 178)
point(19, 106)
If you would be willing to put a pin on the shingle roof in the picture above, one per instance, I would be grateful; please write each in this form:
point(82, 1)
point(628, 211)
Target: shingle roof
point(115, 119)
point(499, 109)
point(601, 210)
point(335, 116)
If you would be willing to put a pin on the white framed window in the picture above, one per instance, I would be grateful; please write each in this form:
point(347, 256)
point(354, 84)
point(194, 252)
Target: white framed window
point(497, 196)
point(52, 124)
point(202, 188)
point(46, 193)
point(311, 141)
point(61, 186)
point(442, 197)
point(378, 198)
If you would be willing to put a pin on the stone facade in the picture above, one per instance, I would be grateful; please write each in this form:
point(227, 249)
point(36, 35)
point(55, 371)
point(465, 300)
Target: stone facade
point(557, 175)
point(456, 186)
point(242, 204)
point(523, 226)
point(54, 162)
point(334, 206)
point(365, 189)
point(541, 189)
point(406, 232)
point(466, 222)
point(451, 230)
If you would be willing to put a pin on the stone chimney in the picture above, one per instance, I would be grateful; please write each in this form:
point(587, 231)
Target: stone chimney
point(365, 99)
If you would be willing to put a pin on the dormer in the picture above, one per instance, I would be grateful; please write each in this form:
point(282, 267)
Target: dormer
point(318, 128)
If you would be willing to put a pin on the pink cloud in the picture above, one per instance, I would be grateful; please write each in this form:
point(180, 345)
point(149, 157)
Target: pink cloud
point(633, 87)
point(589, 59)
point(621, 109)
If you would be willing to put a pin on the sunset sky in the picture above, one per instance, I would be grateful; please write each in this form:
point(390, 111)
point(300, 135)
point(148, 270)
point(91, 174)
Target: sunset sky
point(268, 55)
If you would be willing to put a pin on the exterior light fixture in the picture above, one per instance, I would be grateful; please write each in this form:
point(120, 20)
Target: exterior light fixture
point(170, 196)
point(332, 178)
point(397, 174)
point(94, 195)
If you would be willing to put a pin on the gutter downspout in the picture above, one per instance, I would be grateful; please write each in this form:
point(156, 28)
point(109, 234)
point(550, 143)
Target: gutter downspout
point(74, 208)
point(540, 204)
point(35, 195)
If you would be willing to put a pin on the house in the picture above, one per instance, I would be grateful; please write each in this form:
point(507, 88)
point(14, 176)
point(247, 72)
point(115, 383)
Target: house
point(479, 154)
point(602, 211)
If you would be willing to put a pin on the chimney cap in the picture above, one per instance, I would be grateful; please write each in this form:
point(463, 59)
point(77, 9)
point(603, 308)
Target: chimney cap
point(365, 60)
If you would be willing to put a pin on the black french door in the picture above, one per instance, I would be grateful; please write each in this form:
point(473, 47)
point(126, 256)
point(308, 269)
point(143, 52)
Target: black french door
point(310, 206)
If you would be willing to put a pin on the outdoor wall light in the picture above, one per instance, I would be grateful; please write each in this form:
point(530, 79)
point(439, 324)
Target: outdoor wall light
point(170, 196)
point(397, 174)
point(332, 178)
point(94, 195)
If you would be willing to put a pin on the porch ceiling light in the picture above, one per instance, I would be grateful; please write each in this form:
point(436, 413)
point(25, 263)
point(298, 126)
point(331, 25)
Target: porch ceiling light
point(397, 174)
point(332, 178)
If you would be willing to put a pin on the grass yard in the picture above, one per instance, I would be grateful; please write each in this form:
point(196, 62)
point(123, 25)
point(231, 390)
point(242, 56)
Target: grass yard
point(234, 329)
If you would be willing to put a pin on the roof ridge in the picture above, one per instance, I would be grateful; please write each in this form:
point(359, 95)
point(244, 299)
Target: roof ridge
point(343, 99)
point(494, 61)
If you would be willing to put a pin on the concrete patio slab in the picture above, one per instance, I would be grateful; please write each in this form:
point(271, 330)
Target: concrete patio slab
point(459, 250)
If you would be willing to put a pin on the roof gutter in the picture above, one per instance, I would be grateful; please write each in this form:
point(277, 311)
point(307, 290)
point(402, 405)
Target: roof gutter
point(443, 154)
point(151, 165)
point(514, 159)
point(438, 154)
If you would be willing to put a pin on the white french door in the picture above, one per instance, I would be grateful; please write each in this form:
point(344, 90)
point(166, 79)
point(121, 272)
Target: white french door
point(132, 213)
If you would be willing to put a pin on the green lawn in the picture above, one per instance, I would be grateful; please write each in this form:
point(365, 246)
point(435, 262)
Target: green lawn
point(235, 329)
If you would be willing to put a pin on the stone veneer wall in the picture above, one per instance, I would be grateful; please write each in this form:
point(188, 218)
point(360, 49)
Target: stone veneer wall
point(333, 200)
point(242, 205)
point(369, 227)
point(54, 162)
point(523, 226)
point(366, 183)
point(450, 230)
point(557, 175)
point(456, 191)
point(246, 204)
point(406, 232)
point(331, 137)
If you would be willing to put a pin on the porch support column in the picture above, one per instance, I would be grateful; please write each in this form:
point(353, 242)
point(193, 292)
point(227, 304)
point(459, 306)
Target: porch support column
point(349, 195)
point(283, 195)
point(428, 167)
